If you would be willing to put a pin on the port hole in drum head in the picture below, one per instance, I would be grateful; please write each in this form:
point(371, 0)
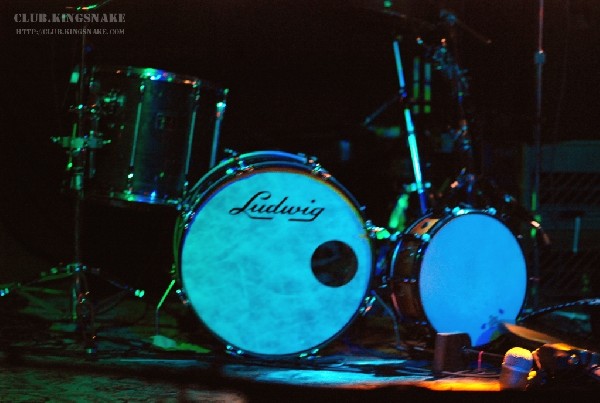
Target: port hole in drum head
point(334, 263)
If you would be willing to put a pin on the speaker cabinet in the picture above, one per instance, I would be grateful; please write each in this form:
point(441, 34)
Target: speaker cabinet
point(568, 201)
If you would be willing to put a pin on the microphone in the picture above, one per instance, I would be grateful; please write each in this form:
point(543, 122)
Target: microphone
point(516, 366)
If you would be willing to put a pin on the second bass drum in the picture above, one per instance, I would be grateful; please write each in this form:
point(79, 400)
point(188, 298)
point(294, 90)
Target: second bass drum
point(463, 271)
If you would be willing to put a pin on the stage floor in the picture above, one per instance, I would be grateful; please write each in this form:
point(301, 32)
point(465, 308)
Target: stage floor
point(141, 353)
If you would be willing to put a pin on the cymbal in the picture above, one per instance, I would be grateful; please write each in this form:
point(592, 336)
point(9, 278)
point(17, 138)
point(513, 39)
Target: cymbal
point(530, 334)
point(420, 24)
point(404, 20)
point(445, 19)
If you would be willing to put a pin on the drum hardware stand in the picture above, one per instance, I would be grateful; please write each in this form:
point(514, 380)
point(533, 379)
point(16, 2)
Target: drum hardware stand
point(539, 60)
point(376, 298)
point(466, 178)
point(448, 64)
point(382, 234)
point(82, 309)
point(81, 147)
point(161, 302)
point(410, 130)
point(411, 139)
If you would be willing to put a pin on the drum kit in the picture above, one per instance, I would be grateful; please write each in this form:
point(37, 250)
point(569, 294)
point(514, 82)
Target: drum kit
point(274, 255)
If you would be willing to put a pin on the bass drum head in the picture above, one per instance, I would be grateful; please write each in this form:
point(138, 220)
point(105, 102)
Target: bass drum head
point(473, 277)
point(275, 260)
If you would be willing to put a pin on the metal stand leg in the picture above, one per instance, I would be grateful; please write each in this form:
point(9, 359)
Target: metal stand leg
point(159, 306)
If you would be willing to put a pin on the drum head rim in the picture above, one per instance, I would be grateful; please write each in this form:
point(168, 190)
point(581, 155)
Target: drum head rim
point(157, 74)
point(198, 192)
point(270, 166)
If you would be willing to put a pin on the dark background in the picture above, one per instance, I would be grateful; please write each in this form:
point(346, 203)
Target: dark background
point(302, 75)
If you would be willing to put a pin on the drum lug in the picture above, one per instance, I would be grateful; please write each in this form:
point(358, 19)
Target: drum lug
point(315, 167)
point(418, 237)
point(182, 296)
point(241, 164)
point(234, 351)
point(367, 305)
point(457, 211)
point(187, 217)
point(491, 211)
point(309, 355)
point(318, 170)
point(240, 168)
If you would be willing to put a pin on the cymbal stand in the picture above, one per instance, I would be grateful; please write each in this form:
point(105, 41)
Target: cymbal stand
point(81, 146)
point(80, 149)
point(446, 58)
point(467, 179)
point(396, 219)
point(410, 130)
point(447, 63)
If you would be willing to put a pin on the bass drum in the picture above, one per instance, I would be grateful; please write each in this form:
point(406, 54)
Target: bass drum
point(273, 254)
point(461, 272)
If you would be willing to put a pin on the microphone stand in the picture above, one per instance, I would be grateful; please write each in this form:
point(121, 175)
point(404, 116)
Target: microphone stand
point(539, 59)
